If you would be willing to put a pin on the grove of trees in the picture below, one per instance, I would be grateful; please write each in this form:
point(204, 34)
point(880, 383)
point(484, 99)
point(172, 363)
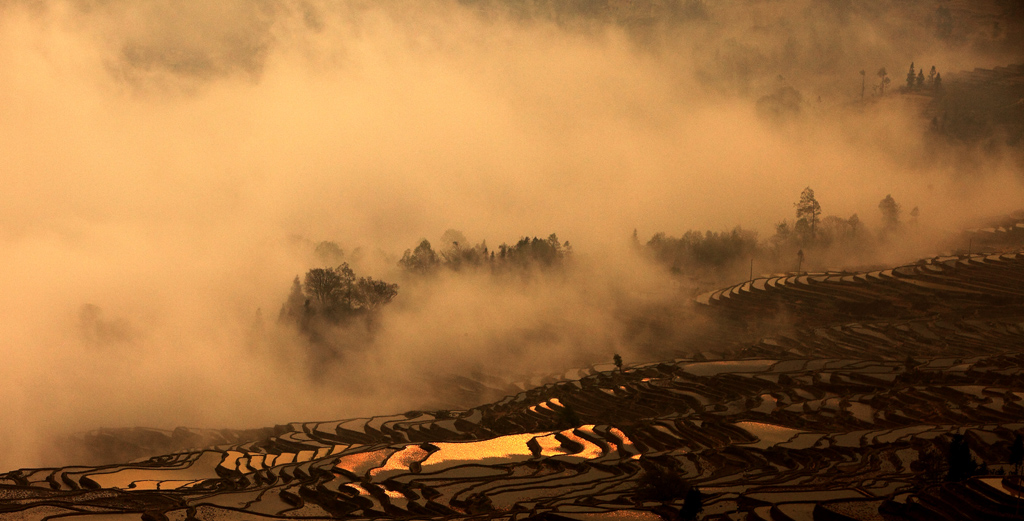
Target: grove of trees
point(335, 294)
point(526, 253)
point(812, 235)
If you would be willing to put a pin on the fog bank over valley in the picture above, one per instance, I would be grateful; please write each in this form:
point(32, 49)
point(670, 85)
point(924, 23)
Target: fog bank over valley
point(171, 168)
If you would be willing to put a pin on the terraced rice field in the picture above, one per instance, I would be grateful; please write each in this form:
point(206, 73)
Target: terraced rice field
point(847, 413)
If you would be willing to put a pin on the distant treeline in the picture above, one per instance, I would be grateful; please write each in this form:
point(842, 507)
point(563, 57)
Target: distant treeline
point(599, 9)
point(333, 296)
point(527, 253)
point(714, 255)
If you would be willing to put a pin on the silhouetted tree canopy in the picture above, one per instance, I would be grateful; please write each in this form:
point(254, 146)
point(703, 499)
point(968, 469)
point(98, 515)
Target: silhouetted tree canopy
point(961, 464)
point(422, 259)
point(296, 302)
point(708, 249)
point(527, 252)
point(890, 212)
point(325, 285)
point(807, 211)
point(372, 294)
point(693, 505)
point(536, 251)
point(329, 252)
point(334, 294)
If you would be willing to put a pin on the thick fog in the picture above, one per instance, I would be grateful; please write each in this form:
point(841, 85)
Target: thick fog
point(168, 166)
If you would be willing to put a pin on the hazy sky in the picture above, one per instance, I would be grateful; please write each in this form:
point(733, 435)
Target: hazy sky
point(158, 156)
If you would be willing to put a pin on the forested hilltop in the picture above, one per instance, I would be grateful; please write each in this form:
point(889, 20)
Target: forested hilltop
point(339, 313)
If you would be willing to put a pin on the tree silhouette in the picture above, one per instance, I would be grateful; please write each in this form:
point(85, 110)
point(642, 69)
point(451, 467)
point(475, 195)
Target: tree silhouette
point(911, 76)
point(693, 505)
point(347, 287)
point(883, 81)
point(422, 259)
point(323, 284)
point(890, 212)
point(373, 294)
point(961, 464)
point(295, 306)
point(618, 361)
point(329, 252)
point(808, 210)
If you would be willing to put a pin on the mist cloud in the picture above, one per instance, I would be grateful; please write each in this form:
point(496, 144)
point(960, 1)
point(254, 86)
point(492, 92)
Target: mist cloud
point(157, 157)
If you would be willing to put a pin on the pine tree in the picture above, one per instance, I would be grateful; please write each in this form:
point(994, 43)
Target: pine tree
point(294, 307)
point(911, 76)
point(808, 210)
